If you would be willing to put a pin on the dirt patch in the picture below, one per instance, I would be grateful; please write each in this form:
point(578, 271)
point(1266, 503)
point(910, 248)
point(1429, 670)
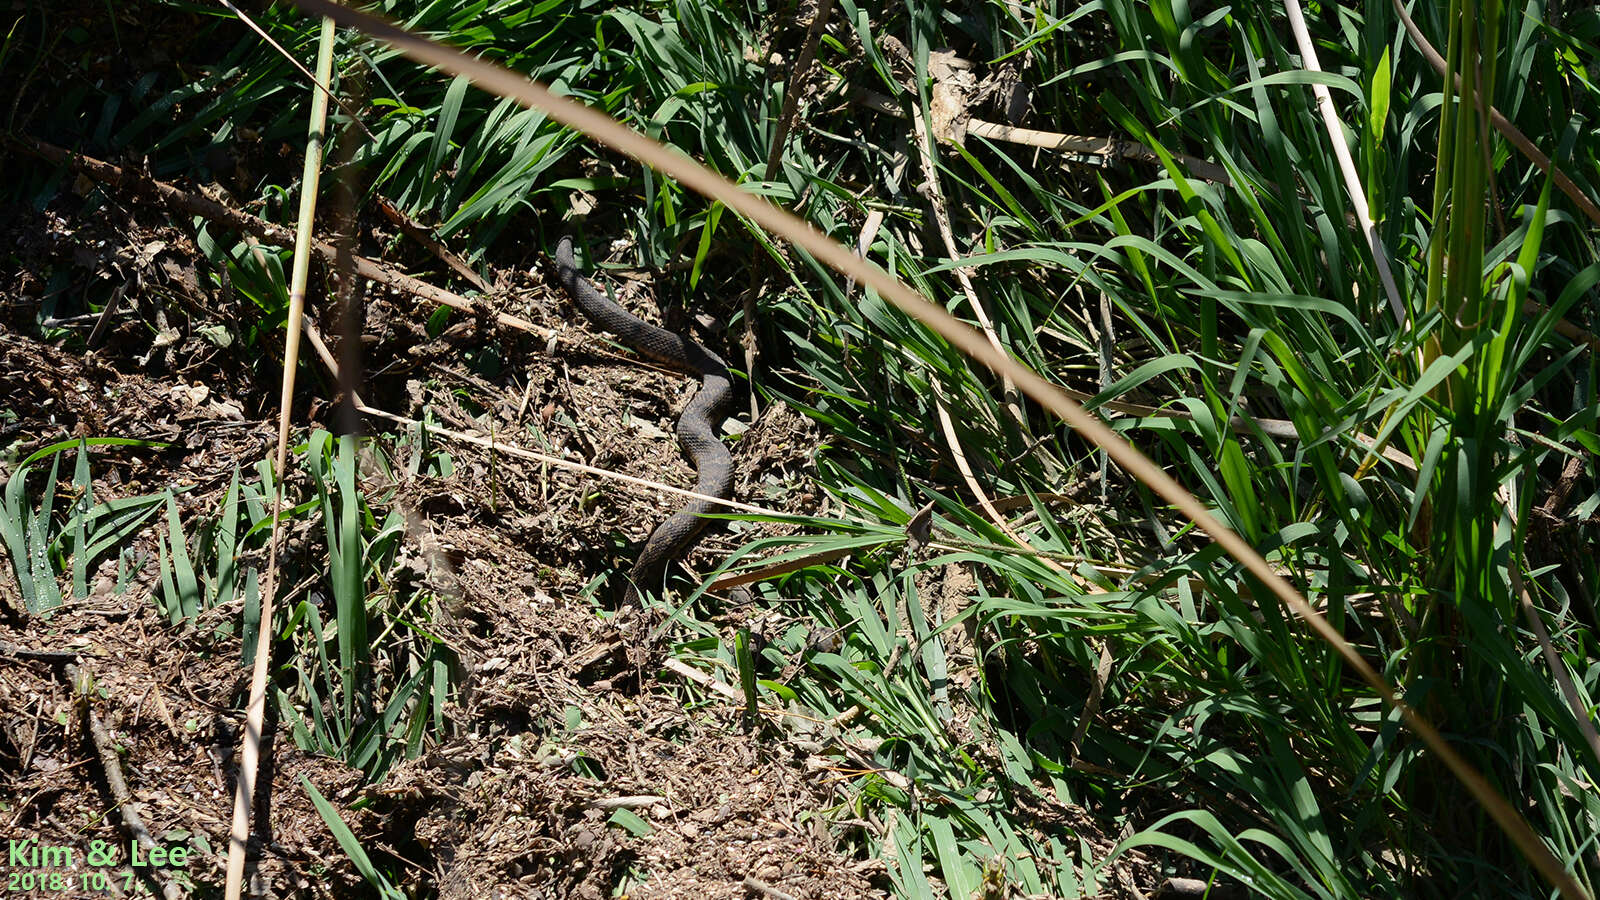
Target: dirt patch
point(166, 704)
point(553, 784)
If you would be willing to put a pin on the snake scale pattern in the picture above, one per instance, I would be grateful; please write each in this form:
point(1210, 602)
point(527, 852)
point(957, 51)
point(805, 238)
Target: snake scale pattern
point(697, 427)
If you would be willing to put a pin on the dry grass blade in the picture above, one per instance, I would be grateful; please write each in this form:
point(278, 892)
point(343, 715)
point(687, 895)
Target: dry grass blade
point(498, 446)
point(1558, 669)
point(1503, 125)
point(255, 708)
point(696, 177)
point(1347, 166)
point(321, 83)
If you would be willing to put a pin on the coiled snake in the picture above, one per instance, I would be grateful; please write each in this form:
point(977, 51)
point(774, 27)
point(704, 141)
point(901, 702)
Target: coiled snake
point(697, 426)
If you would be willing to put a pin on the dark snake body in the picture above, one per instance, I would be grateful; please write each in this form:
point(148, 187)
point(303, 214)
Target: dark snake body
point(697, 427)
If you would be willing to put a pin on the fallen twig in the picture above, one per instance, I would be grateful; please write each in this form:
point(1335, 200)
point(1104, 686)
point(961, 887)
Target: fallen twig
point(127, 806)
point(761, 887)
point(673, 664)
point(514, 450)
point(265, 231)
point(424, 236)
point(55, 656)
point(638, 801)
point(1109, 148)
point(791, 91)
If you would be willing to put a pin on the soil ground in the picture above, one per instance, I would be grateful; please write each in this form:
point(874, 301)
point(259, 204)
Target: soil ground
point(551, 733)
point(498, 805)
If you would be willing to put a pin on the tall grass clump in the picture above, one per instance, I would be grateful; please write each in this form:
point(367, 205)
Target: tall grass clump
point(1256, 296)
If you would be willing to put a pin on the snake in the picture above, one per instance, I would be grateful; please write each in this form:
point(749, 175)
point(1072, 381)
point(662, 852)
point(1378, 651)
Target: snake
point(696, 428)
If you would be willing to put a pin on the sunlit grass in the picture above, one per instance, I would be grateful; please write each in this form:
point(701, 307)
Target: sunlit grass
point(1224, 736)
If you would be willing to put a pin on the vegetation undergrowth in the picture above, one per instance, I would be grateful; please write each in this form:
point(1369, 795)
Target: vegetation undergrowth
point(1118, 663)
